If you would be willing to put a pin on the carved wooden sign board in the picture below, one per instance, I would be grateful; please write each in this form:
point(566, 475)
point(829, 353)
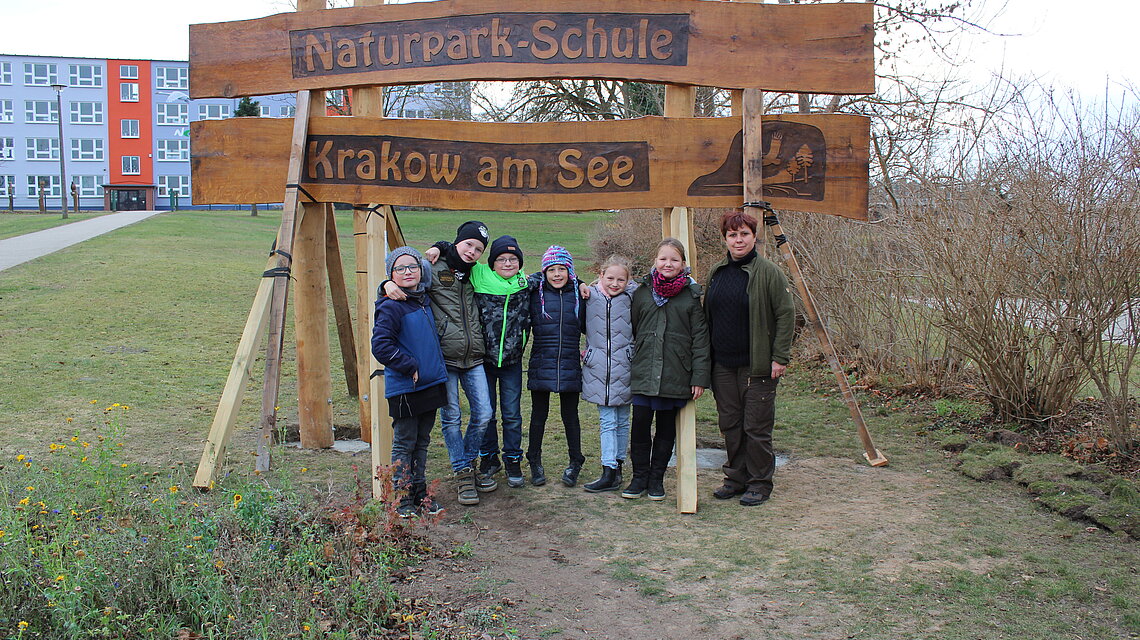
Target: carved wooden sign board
point(821, 48)
point(811, 163)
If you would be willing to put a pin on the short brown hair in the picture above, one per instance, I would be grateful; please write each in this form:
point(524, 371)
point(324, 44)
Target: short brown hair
point(735, 219)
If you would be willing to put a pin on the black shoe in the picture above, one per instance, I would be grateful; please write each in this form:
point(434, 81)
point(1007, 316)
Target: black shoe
point(407, 507)
point(617, 474)
point(726, 492)
point(570, 475)
point(515, 477)
point(489, 465)
point(656, 488)
point(753, 498)
point(537, 474)
point(636, 487)
point(609, 481)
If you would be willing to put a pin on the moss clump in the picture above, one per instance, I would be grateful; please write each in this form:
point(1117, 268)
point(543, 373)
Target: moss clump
point(1116, 516)
point(988, 461)
point(1049, 467)
point(953, 441)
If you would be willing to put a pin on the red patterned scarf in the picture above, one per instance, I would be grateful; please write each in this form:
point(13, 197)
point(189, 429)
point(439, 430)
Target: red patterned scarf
point(665, 288)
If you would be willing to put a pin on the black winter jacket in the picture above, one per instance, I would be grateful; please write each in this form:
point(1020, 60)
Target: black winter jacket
point(555, 360)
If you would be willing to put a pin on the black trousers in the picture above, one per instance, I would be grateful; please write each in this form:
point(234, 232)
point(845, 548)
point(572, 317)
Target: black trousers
point(540, 409)
point(650, 452)
point(746, 409)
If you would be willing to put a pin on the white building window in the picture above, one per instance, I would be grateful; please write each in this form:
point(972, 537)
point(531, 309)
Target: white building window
point(129, 128)
point(40, 74)
point(6, 73)
point(129, 92)
point(43, 149)
point(40, 111)
point(173, 113)
point(7, 148)
point(50, 183)
point(131, 166)
point(86, 113)
point(7, 186)
point(213, 111)
point(264, 111)
point(6, 112)
point(173, 150)
point(87, 149)
point(85, 75)
point(178, 185)
point(89, 186)
point(288, 112)
point(128, 72)
point(171, 78)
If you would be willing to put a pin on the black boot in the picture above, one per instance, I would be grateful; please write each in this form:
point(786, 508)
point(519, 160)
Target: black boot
point(537, 473)
point(610, 481)
point(639, 453)
point(570, 475)
point(661, 452)
point(617, 474)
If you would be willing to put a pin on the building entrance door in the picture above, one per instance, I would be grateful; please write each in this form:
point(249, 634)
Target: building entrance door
point(128, 200)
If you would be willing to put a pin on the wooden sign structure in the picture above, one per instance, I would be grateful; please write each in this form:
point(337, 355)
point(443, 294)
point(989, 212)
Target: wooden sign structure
point(814, 163)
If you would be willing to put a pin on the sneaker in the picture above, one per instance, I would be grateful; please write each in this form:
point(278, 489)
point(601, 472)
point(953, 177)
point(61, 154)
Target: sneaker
point(407, 508)
point(515, 477)
point(485, 483)
point(467, 493)
point(570, 475)
point(489, 465)
point(429, 507)
point(726, 492)
point(753, 498)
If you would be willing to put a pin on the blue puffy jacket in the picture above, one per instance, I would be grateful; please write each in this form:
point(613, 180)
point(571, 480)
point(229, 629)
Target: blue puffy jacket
point(555, 360)
point(404, 340)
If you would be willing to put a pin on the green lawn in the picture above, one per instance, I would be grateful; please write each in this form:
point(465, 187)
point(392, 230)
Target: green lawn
point(16, 224)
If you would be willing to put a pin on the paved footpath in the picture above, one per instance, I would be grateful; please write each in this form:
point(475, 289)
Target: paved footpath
point(21, 249)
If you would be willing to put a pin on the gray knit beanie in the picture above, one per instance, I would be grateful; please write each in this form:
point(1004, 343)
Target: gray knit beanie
point(425, 266)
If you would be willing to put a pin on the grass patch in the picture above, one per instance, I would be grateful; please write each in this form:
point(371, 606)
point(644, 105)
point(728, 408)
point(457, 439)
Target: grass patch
point(17, 224)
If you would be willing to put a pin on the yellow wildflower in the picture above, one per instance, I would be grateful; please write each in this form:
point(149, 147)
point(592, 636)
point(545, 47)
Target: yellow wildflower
point(21, 458)
point(23, 625)
point(74, 438)
point(94, 402)
point(108, 611)
point(237, 499)
point(2, 534)
point(84, 459)
point(30, 488)
point(60, 578)
point(124, 465)
point(305, 627)
point(85, 444)
point(174, 489)
point(304, 469)
point(24, 501)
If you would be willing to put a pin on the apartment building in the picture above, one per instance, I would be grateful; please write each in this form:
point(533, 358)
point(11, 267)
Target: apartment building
point(126, 128)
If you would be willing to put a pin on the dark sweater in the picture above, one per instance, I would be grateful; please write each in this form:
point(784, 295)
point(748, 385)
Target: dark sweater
point(727, 305)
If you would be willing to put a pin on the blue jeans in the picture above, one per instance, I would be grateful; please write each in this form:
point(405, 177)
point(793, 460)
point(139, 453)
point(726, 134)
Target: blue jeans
point(462, 448)
point(614, 423)
point(508, 379)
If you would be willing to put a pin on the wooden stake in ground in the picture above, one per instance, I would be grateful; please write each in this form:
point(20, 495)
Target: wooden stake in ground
point(676, 222)
point(281, 274)
point(224, 417)
point(338, 292)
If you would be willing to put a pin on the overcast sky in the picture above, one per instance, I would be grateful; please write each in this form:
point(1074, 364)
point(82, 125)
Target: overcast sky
point(1084, 45)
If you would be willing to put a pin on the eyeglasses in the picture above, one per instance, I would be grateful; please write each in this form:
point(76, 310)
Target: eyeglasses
point(507, 258)
point(405, 268)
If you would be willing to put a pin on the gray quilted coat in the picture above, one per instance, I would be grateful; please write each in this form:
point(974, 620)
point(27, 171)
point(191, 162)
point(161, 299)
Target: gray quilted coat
point(609, 348)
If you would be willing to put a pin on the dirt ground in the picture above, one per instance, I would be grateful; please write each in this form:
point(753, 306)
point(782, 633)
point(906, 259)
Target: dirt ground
point(565, 564)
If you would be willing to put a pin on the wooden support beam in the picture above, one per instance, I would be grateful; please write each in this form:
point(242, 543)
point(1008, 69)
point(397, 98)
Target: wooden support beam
point(364, 310)
point(338, 292)
point(381, 421)
point(234, 391)
point(676, 222)
point(284, 252)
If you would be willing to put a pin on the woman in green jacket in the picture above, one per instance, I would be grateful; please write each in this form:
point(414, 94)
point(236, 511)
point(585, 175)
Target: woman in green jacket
point(751, 322)
point(671, 364)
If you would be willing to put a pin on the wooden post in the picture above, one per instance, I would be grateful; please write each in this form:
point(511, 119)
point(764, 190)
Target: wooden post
point(284, 252)
point(676, 222)
point(234, 391)
point(338, 291)
point(371, 250)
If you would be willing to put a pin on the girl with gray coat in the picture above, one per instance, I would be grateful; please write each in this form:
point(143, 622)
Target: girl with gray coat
point(606, 365)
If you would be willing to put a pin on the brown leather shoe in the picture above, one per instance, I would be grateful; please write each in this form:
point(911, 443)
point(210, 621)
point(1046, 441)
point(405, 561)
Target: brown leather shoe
point(726, 492)
point(753, 498)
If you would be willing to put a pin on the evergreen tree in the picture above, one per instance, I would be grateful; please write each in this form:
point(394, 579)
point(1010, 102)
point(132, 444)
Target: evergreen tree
point(247, 107)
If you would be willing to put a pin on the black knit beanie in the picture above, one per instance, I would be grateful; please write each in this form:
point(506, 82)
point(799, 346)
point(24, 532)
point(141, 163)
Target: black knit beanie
point(471, 230)
point(504, 244)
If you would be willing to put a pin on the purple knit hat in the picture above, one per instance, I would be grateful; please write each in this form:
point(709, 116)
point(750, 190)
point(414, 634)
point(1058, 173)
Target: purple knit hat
point(558, 255)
